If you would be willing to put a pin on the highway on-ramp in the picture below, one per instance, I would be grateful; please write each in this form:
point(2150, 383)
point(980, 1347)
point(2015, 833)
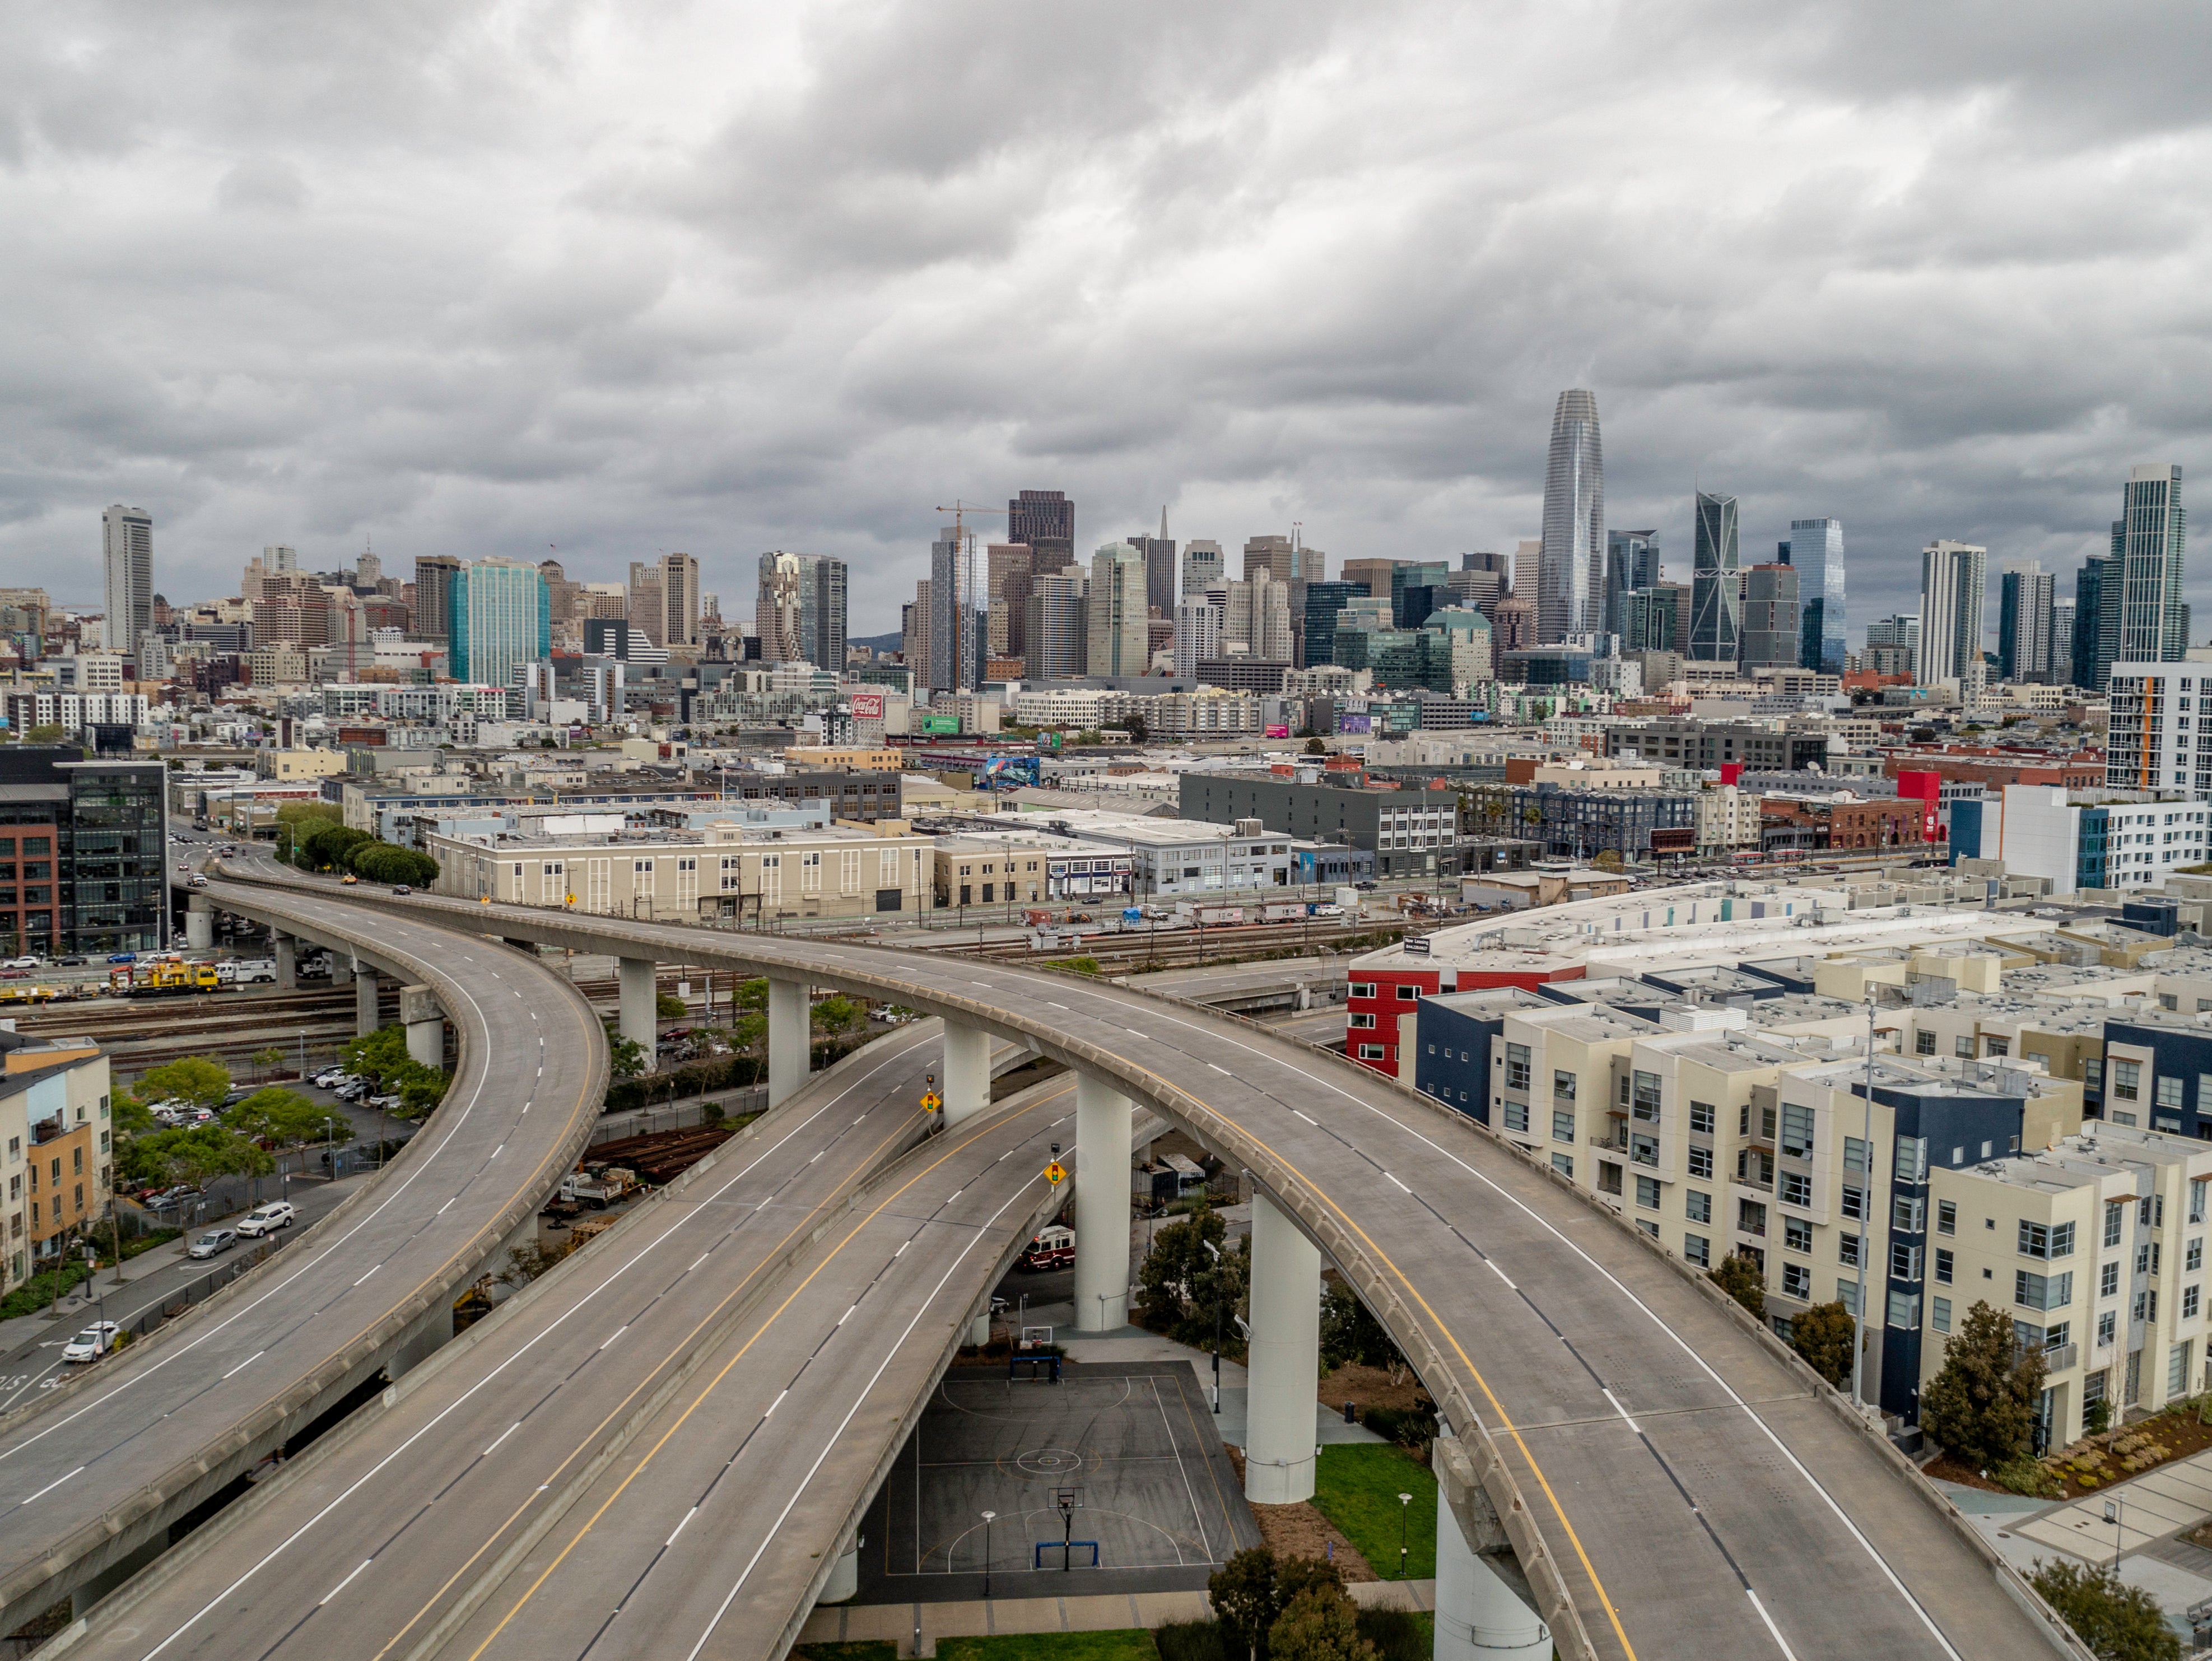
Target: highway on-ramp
point(1678, 1486)
point(91, 1474)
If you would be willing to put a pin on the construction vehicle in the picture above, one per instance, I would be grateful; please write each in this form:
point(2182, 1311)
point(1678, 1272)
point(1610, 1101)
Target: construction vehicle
point(163, 977)
point(599, 1190)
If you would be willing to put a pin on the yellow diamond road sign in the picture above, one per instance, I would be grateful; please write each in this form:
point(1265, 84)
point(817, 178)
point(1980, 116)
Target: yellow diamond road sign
point(932, 1102)
point(1055, 1173)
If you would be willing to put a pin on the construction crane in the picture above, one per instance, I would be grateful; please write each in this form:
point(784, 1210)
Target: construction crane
point(960, 510)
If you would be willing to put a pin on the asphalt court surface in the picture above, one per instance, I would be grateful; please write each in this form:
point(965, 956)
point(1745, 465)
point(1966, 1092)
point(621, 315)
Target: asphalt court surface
point(1135, 1439)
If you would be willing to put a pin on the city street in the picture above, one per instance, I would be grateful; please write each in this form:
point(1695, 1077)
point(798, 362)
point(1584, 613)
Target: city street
point(31, 1345)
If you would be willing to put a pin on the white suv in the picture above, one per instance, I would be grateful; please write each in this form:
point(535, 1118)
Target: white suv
point(267, 1219)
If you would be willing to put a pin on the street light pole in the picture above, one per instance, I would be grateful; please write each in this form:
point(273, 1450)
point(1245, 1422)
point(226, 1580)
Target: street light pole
point(1405, 1509)
point(988, 1516)
point(1866, 1234)
point(1211, 1248)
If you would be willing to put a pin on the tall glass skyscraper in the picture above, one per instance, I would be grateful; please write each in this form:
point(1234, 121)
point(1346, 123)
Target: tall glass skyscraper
point(959, 613)
point(1571, 563)
point(1816, 552)
point(2148, 539)
point(1952, 595)
point(1716, 590)
point(500, 619)
point(1632, 562)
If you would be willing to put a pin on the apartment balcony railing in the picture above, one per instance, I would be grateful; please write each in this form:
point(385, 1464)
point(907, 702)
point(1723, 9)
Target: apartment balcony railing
point(2058, 1360)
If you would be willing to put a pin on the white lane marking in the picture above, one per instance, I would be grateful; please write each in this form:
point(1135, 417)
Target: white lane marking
point(1049, 1004)
point(1222, 1070)
point(1500, 1274)
point(680, 1527)
point(344, 1584)
point(372, 1271)
point(773, 1405)
point(246, 1363)
point(699, 1259)
point(846, 1317)
point(1781, 1642)
point(501, 1437)
point(552, 1327)
point(616, 1334)
point(1314, 1123)
point(1621, 1410)
point(1402, 1188)
point(441, 1211)
point(496, 1152)
point(903, 1244)
point(49, 1488)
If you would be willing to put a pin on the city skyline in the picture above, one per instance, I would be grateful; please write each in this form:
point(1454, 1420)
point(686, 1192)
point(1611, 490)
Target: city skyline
point(727, 318)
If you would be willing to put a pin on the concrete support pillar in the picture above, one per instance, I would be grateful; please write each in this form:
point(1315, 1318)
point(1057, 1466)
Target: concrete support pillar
point(1479, 1616)
point(426, 1026)
point(1285, 1356)
point(638, 1019)
point(844, 1582)
point(1102, 1206)
point(967, 1086)
point(199, 925)
point(790, 1038)
point(285, 950)
point(365, 1011)
point(341, 968)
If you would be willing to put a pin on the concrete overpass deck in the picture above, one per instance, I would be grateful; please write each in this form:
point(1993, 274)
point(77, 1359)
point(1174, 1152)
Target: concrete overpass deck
point(1673, 1483)
point(96, 1473)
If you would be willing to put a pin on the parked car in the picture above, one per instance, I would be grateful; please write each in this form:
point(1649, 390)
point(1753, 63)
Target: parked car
point(162, 1198)
point(15, 974)
point(329, 1078)
point(214, 1241)
point(22, 963)
point(401, 888)
point(95, 1341)
point(267, 1219)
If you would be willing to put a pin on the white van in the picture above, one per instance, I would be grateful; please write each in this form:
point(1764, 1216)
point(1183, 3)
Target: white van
point(250, 970)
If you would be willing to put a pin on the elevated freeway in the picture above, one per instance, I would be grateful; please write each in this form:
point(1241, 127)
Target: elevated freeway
point(96, 1473)
point(1671, 1482)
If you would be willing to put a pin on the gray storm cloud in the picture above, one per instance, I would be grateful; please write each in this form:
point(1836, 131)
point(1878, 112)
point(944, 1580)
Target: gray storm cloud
point(478, 279)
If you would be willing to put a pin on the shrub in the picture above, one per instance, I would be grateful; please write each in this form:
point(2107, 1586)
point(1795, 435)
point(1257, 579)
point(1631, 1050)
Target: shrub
point(1740, 1278)
point(1319, 1624)
point(2029, 1476)
point(1823, 1335)
point(2118, 1622)
point(1193, 1640)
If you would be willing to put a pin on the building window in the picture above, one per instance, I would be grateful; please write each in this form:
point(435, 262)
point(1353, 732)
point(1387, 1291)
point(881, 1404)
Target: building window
point(1947, 1216)
point(1647, 1193)
point(2177, 1368)
point(1943, 1265)
point(1697, 1207)
point(2108, 1326)
point(1908, 1212)
point(1924, 1042)
point(1851, 1202)
point(1698, 1250)
point(2092, 1073)
point(1647, 1098)
point(1796, 1280)
point(2189, 1302)
point(2192, 1255)
point(1362, 1021)
point(1750, 1217)
point(1855, 1153)
point(1563, 1086)
point(2116, 1212)
point(1962, 1046)
point(1409, 995)
point(1795, 1188)
point(1911, 1162)
point(1904, 1260)
point(1847, 1249)
point(1564, 1165)
point(2108, 1281)
point(1796, 1131)
point(1904, 1310)
point(2168, 1089)
point(1796, 1234)
point(1701, 1161)
point(1939, 1314)
point(2126, 1077)
point(1701, 1117)
point(1516, 1116)
point(1562, 1127)
point(2031, 1291)
point(2038, 1241)
point(1643, 1150)
point(1373, 1052)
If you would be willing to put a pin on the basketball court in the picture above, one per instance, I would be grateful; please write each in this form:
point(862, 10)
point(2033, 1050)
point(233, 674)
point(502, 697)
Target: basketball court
point(1118, 1461)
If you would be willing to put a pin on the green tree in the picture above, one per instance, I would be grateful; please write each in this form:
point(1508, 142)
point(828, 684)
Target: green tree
point(752, 994)
point(1171, 1272)
point(47, 733)
point(325, 847)
point(1607, 859)
point(839, 1014)
point(1352, 1336)
point(1981, 1406)
point(193, 1078)
point(269, 1059)
point(133, 1117)
point(1740, 1278)
point(1823, 1335)
point(206, 1151)
point(297, 820)
point(1315, 747)
point(1319, 1624)
point(384, 861)
point(668, 1006)
point(286, 1118)
point(1243, 1593)
point(2116, 1621)
point(625, 1056)
point(379, 1057)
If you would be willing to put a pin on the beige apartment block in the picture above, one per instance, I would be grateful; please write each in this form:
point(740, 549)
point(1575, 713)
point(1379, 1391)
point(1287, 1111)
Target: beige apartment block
point(2095, 1248)
point(751, 873)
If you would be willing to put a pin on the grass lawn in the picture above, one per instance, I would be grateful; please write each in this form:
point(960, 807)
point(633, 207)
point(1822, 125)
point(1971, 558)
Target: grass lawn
point(875, 1649)
point(1134, 1644)
point(1357, 1488)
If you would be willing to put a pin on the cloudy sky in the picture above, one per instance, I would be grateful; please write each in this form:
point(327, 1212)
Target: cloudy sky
point(478, 279)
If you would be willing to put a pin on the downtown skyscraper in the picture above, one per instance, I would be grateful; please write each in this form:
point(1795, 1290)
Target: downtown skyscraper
point(1952, 587)
point(2148, 541)
point(1716, 586)
point(1816, 552)
point(127, 563)
point(1570, 562)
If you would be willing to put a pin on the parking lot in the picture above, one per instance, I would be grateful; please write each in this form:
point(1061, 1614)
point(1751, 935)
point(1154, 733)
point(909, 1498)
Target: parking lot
point(1130, 1443)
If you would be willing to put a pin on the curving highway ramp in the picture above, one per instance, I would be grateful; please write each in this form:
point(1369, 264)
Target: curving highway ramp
point(1674, 1483)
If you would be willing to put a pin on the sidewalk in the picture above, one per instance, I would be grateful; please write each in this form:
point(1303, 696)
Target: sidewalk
point(896, 1623)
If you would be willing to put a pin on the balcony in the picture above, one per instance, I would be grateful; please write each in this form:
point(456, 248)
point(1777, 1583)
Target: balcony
point(2058, 1360)
point(1616, 1141)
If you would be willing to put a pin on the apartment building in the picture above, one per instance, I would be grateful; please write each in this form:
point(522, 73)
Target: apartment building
point(57, 1129)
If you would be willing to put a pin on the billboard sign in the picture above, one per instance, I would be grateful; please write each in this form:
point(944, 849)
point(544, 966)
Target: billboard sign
point(1348, 723)
point(941, 725)
point(867, 706)
point(1278, 731)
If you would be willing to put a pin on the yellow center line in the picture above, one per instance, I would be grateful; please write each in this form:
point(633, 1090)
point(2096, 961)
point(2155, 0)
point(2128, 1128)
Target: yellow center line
point(674, 1353)
point(715, 1383)
point(1497, 1406)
